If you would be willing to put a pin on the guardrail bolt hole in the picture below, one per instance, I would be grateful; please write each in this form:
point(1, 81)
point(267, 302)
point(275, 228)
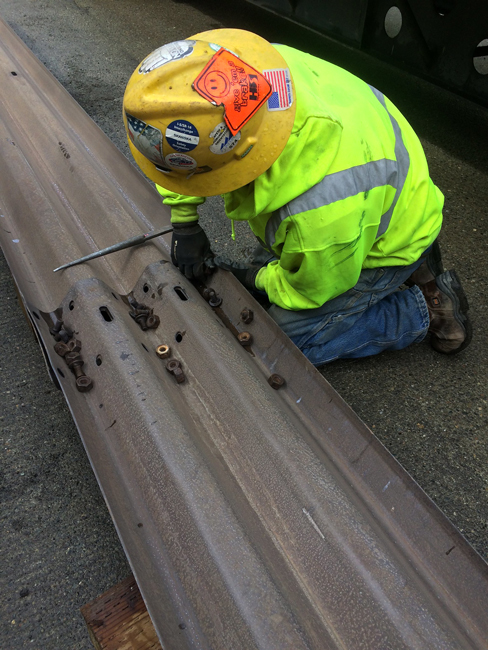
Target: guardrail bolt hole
point(180, 293)
point(107, 316)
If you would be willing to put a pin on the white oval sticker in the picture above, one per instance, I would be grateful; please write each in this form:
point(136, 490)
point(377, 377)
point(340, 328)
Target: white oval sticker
point(180, 161)
point(223, 140)
point(165, 54)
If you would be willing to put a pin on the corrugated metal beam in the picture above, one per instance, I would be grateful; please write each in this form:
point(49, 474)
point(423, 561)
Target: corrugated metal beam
point(252, 517)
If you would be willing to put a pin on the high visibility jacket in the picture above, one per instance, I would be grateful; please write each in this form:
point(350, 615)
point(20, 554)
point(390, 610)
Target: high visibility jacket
point(350, 191)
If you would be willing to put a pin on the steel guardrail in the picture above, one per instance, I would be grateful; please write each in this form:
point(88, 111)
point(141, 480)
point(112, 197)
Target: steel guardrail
point(255, 508)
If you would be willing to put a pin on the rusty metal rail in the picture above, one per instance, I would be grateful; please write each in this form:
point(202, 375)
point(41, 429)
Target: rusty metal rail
point(255, 508)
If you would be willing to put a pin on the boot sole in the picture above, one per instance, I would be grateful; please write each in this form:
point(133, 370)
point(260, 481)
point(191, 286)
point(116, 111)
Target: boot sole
point(450, 284)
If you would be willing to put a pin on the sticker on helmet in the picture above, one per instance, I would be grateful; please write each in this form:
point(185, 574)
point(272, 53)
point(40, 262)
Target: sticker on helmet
point(228, 81)
point(223, 140)
point(146, 139)
point(165, 54)
point(282, 95)
point(182, 135)
point(180, 161)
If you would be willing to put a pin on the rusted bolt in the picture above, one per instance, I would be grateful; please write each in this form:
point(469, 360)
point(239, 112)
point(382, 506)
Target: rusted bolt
point(174, 367)
point(61, 348)
point(141, 321)
point(75, 364)
point(215, 301)
point(152, 322)
point(84, 384)
point(276, 381)
point(247, 315)
point(74, 345)
point(63, 335)
point(244, 338)
point(73, 358)
point(163, 351)
point(56, 327)
point(211, 297)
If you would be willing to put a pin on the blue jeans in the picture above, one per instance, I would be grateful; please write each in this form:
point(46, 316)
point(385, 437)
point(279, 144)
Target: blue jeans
point(371, 317)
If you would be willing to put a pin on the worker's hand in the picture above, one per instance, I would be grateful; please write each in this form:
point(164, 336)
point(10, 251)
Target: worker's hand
point(246, 273)
point(190, 250)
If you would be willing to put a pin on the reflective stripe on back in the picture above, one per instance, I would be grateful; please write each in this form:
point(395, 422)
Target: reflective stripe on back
point(350, 182)
point(403, 162)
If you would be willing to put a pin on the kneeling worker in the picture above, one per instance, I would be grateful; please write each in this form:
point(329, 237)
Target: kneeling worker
point(330, 176)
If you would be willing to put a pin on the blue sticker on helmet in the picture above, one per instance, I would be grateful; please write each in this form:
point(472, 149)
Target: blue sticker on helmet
point(182, 136)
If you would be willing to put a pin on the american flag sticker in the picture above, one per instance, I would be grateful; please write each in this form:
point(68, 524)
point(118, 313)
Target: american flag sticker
point(282, 95)
point(146, 139)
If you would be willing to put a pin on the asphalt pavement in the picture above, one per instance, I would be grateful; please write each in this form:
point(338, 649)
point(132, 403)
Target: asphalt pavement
point(58, 546)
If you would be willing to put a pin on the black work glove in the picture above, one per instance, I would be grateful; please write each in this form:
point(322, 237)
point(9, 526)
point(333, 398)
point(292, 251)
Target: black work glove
point(245, 272)
point(190, 250)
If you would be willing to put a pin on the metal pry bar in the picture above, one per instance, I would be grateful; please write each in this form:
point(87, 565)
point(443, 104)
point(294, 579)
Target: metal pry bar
point(133, 241)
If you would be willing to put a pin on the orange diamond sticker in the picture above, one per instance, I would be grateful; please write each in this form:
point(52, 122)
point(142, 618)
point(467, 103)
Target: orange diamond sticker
point(230, 82)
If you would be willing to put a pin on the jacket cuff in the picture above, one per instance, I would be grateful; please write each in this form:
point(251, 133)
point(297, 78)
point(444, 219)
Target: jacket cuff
point(259, 280)
point(184, 213)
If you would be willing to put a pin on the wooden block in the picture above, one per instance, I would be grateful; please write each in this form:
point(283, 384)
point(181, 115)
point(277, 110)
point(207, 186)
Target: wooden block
point(118, 620)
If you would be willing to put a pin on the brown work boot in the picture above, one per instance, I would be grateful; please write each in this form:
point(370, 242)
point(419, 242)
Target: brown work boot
point(430, 268)
point(449, 326)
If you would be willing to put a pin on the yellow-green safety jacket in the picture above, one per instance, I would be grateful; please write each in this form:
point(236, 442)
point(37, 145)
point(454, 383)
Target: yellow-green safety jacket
point(350, 191)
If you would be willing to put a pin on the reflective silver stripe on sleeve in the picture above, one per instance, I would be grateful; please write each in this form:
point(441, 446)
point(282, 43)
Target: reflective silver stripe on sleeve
point(350, 182)
point(403, 162)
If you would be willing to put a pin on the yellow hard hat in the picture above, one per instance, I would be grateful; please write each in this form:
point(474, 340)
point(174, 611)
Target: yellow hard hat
point(209, 114)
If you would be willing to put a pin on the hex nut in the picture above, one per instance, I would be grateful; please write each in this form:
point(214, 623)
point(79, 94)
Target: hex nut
point(152, 322)
point(244, 338)
point(84, 384)
point(61, 348)
point(247, 315)
point(276, 381)
point(163, 351)
point(211, 297)
point(74, 345)
point(174, 367)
